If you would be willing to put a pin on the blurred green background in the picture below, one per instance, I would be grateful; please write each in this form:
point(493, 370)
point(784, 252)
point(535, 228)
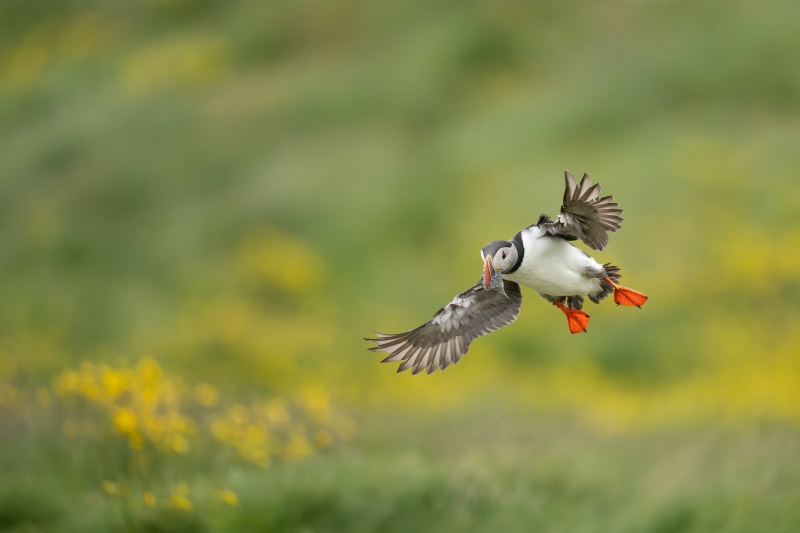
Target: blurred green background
point(205, 205)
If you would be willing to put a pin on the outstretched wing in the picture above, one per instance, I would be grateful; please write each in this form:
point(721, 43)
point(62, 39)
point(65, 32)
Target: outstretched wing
point(584, 215)
point(443, 340)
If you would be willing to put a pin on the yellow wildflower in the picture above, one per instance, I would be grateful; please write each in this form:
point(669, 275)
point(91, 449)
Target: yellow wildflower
point(111, 488)
point(87, 386)
point(125, 421)
point(297, 447)
point(254, 435)
point(26, 62)
point(317, 403)
point(180, 496)
point(277, 413)
point(113, 382)
point(229, 497)
point(66, 382)
point(179, 444)
point(149, 370)
point(149, 395)
point(149, 499)
point(181, 502)
point(176, 63)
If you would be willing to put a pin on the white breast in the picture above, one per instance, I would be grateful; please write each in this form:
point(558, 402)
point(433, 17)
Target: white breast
point(554, 267)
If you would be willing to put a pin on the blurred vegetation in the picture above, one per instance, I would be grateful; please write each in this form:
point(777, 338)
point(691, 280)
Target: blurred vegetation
point(204, 206)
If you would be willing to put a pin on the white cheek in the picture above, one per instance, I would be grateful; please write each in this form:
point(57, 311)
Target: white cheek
point(504, 261)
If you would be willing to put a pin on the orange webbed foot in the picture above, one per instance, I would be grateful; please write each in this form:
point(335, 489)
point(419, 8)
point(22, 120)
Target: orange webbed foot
point(627, 296)
point(577, 320)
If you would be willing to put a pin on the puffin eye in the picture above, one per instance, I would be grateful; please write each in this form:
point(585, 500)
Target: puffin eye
point(504, 255)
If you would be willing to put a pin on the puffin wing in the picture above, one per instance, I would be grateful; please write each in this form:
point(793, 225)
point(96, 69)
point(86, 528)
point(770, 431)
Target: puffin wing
point(584, 215)
point(447, 336)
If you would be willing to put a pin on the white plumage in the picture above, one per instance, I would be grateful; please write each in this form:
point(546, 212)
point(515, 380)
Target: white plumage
point(553, 266)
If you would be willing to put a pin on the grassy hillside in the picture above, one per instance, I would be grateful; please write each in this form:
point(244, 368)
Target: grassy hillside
point(204, 207)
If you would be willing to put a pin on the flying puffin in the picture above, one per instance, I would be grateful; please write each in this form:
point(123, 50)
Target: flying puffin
point(540, 257)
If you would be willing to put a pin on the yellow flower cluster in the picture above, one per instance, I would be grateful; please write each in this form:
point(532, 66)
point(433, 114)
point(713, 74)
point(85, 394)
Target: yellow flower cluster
point(175, 63)
point(260, 432)
point(52, 42)
point(147, 407)
point(179, 496)
point(142, 403)
point(274, 429)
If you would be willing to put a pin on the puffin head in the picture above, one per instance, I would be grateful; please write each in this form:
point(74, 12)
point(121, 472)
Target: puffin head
point(497, 257)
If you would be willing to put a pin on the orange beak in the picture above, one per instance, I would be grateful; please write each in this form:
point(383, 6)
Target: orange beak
point(488, 271)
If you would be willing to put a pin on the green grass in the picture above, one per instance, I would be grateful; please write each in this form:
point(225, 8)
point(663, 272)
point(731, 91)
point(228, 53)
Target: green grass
point(153, 154)
point(479, 472)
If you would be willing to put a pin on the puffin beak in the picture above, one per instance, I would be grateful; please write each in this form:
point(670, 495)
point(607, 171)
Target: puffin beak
point(488, 272)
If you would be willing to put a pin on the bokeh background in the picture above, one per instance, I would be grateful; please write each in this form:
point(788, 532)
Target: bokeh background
point(205, 205)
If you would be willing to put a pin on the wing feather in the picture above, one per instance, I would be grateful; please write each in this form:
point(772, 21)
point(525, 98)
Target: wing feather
point(406, 364)
point(445, 357)
point(584, 215)
point(398, 355)
point(422, 361)
point(444, 339)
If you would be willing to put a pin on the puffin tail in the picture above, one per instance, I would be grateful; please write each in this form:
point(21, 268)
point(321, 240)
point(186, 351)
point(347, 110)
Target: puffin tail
point(622, 295)
point(611, 272)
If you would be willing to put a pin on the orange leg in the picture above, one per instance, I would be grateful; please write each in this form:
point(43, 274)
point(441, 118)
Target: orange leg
point(626, 296)
point(577, 320)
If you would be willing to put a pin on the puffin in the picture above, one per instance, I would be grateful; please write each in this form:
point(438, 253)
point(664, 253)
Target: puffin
point(540, 257)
